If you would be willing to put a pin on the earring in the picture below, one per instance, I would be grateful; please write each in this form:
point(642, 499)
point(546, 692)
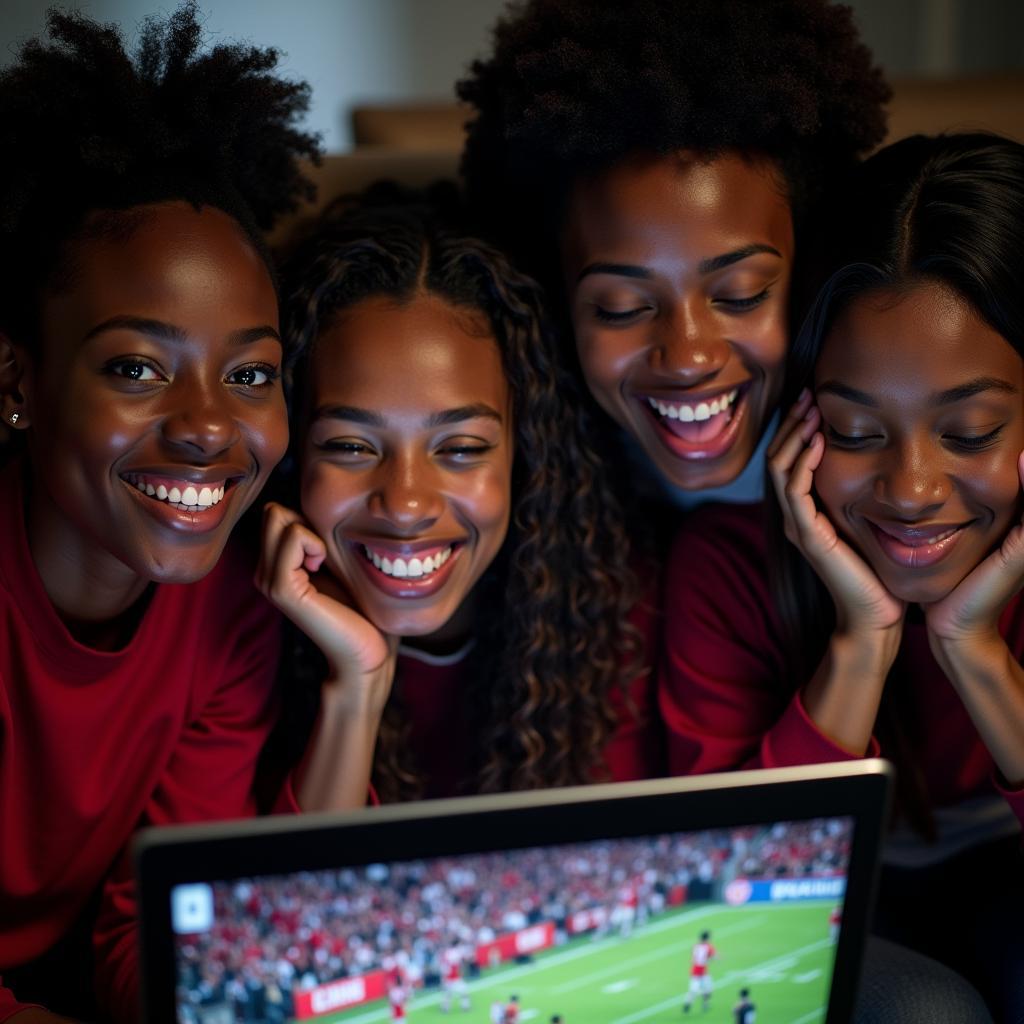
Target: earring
point(15, 416)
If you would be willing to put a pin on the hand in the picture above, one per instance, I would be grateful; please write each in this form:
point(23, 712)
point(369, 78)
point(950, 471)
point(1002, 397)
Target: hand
point(968, 617)
point(290, 575)
point(863, 605)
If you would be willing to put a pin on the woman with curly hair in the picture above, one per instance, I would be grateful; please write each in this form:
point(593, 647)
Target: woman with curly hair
point(456, 561)
point(139, 366)
point(656, 165)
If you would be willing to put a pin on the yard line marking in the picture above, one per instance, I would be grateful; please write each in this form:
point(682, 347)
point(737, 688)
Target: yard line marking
point(808, 1017)
point(727, 979)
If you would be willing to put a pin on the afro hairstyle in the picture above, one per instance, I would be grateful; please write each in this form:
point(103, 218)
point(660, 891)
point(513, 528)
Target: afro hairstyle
point(575, 86)
point(87, 127)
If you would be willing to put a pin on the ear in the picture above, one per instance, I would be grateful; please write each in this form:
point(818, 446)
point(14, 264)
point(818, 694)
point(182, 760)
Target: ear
point(15, 384)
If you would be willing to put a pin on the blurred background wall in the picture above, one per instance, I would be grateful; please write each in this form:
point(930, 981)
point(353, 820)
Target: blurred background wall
point(367, 52)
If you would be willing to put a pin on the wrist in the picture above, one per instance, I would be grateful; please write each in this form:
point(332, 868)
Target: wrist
point(970, 658)
point(870, 651)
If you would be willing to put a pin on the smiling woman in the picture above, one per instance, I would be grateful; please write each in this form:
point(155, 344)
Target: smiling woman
point(893, 622)
point(455, 560)
point(140, 366)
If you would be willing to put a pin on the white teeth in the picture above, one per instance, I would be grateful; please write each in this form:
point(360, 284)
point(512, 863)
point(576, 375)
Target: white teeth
point(413, 568)
point(688, 412)
point(189, 498)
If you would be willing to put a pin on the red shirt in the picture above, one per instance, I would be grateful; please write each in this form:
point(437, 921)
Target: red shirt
point(724, 690)
point(94, 744)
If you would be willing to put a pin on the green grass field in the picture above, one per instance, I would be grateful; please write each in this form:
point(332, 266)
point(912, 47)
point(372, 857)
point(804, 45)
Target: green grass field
point(782, 953)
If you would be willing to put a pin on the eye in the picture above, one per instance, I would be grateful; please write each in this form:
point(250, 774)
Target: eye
point(464, 451)
point(254, 375)
point(348, 448)
point(849, 442)
point(741, 304)
point(133, 368)
point(615, 316)
point(974, 444)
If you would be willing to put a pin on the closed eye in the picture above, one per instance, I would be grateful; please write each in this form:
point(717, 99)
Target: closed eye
point(742, 304)
point(615, 316)
point(974, 444)
point(848, 441)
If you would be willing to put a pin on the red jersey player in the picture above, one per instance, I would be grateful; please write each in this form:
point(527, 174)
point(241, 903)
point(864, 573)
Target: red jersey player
point(512, 1011)
point(452, 960)
point(700, 980)
point(835, 919)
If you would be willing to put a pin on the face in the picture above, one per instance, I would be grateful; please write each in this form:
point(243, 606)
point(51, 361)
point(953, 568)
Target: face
point(407, 461)
point(155, 409)
point(922, 413)
point(678, 274)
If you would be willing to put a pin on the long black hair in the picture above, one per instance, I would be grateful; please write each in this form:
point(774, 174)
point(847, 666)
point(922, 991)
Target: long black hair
point(949, 210)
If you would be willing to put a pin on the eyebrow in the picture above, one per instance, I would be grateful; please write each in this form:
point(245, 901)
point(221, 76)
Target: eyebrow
point(163, 331)
point(367, 417)
point(957, 394)
point(708, 266)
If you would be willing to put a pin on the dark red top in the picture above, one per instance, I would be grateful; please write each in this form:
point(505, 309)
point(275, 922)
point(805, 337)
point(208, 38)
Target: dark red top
point(728, 700)
point(94, 744)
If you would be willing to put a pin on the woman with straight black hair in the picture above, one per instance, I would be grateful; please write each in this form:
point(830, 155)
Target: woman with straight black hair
point(891, 623)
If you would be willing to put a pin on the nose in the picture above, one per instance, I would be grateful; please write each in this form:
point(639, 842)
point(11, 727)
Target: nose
point(406, 494)
point(689, 342)
point(200, 420)
point(913, 482)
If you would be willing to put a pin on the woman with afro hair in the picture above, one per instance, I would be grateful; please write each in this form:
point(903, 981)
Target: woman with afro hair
point(471, 621)
point(657, 165)
point(139, 385)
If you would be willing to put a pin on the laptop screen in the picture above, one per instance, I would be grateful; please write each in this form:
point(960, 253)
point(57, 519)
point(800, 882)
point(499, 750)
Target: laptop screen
point(724, 924)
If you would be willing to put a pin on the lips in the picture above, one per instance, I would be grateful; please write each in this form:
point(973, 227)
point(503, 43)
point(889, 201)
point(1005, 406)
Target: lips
point(407, 570)
point(697, 427)
point(187, 500)
point(916, 546)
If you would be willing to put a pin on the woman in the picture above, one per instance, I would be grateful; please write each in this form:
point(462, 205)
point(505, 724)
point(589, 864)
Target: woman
point(139, 379)
point(657, 168)
point(455, 555)
point(896, 624)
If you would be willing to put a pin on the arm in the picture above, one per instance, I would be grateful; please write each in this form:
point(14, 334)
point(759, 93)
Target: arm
point(335, 772)
point(964, 635)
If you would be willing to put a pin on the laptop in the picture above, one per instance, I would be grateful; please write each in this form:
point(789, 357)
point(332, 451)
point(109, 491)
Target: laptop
point(734, 897)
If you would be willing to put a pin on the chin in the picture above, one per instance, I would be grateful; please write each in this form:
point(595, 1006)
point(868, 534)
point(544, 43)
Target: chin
point(920, 591)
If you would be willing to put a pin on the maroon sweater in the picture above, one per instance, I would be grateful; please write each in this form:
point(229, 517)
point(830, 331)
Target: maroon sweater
point(94, 744)
point(728, 701)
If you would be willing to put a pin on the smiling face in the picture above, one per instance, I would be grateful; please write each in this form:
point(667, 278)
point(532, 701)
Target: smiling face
point(407, 459)
point(154, 409)
point(678, 274)
point(923, 420)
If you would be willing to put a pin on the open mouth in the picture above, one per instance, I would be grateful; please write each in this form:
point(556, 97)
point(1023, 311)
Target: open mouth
point(698, 428)
point(409, 572)
point(180, 494)
point(916, 547)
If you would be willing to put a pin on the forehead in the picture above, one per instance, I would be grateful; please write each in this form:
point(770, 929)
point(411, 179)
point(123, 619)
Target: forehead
point(422, 353)
point(170, 261)
point(644, 207)
point(925, 340)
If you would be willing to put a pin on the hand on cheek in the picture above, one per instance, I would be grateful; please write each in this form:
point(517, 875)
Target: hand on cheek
point(290, 574)
point(968, 617)
point(863, 606)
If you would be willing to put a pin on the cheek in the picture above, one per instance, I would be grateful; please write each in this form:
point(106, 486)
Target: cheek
point(328, 495)
point(605, 356)
point(842, 480)
point(266, 429)
point(994, 483)
point(765, 347)
point(487, 503)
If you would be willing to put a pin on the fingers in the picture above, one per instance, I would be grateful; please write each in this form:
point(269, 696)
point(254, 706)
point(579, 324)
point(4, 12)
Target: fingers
point(790, 443)
point(290, 552)
point(793, 417)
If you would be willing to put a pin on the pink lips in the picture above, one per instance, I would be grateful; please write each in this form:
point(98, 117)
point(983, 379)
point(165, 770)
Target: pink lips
point(408, 586)
point(698, 441)
point(916, 547)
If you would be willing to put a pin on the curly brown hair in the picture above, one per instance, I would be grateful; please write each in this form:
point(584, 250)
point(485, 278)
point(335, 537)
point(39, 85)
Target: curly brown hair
point(575, 86)
point(556, 641)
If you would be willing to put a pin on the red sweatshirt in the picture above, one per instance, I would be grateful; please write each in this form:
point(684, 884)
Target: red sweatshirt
point(94, 744)
point(727, 699)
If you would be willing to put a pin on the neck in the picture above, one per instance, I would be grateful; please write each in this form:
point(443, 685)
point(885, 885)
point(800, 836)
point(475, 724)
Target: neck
point(86, 584)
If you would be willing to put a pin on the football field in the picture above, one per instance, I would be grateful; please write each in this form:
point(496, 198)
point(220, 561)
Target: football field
point(782, 953)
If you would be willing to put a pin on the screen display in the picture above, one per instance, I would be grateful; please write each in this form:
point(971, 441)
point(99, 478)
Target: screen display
point(734, 925)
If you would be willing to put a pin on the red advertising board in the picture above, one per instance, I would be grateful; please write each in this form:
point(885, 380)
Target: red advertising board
point(339, 995)
point(508, 947)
